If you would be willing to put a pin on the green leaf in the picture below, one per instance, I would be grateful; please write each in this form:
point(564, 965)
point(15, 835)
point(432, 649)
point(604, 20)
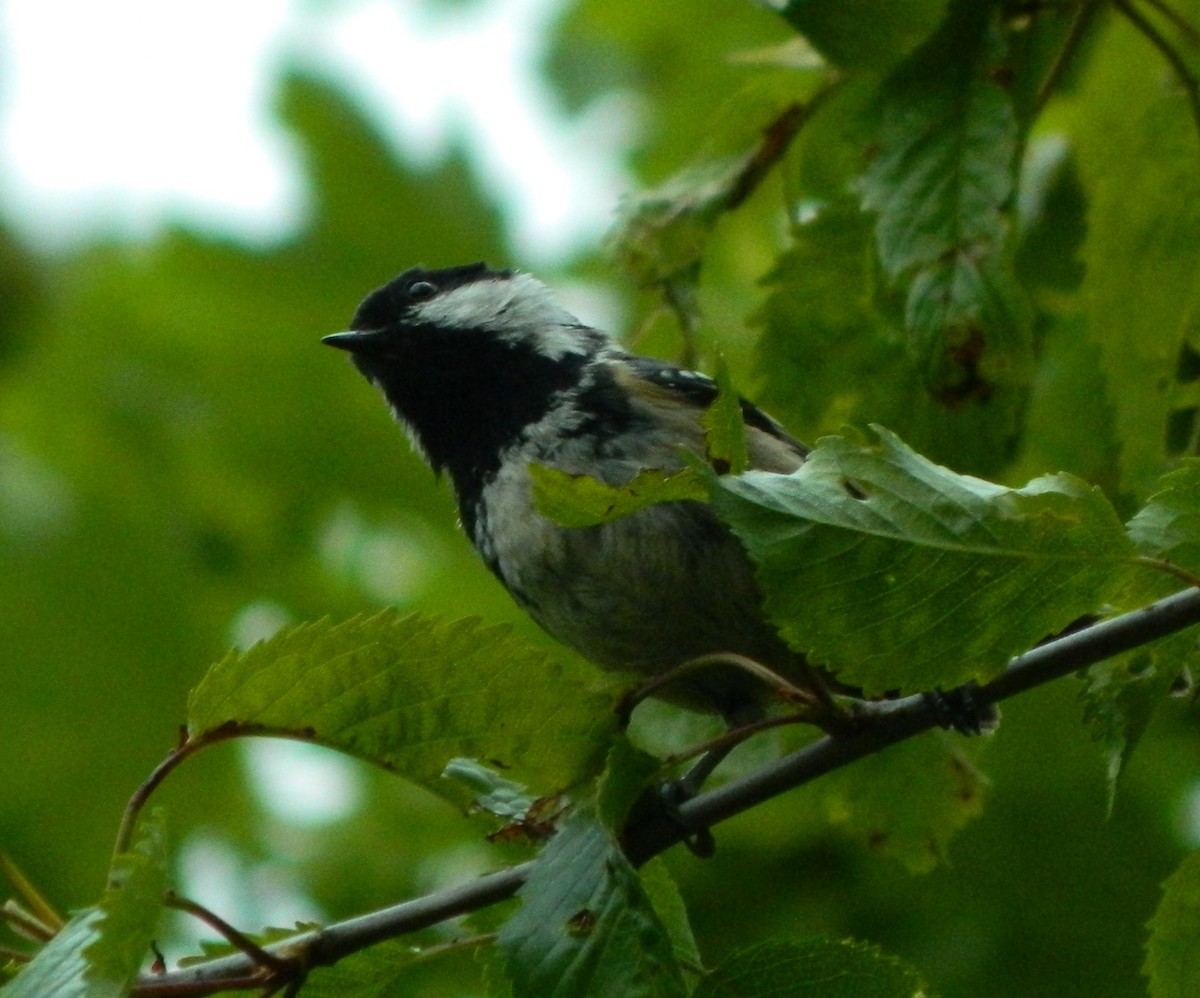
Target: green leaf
point(582, 501)
point(1142, 247)
point(1120, 697)
point(1173, 949)
point(586, 926)
point(724, 430)
point(899, 574)
point(380, 971)
point(907, 803)
point(412, 692)
point(820, 333)
point(573, 500)
point(491, 792)
point(811, 968)
point(661, 234)
point(669, 905)
point(98, 952)
point(628, 772)
point(941, 182)
point(1168, 526)
point(863, 33)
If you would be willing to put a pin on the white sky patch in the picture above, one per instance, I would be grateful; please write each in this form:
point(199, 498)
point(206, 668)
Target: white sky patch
point(429, 73)
point(122, 114)
point(117, 113)
point(304, 785)
point(218, 875)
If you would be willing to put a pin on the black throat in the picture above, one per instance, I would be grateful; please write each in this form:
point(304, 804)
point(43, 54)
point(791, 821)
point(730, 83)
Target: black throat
point(466, 396)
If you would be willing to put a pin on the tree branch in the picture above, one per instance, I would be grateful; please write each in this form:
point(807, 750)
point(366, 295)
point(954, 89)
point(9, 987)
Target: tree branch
point(654, 830)
point(1191, 86)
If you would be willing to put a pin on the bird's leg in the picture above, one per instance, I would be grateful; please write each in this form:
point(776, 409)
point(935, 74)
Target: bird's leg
point(960, 710)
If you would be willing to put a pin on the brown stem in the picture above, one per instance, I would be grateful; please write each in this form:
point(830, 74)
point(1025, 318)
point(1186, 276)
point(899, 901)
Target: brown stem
point(38, 905)
point(25, 924)
point(786, 690)
point(277, 965)
point(1170, 568)
point(734, 736)
point(185, 750)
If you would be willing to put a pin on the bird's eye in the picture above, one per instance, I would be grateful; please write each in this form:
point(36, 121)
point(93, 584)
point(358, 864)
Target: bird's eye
point(420, 290)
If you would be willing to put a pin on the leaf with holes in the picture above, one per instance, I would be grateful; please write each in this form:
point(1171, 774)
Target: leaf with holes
point(586, 925)
point(900, 574)
point(941, 184)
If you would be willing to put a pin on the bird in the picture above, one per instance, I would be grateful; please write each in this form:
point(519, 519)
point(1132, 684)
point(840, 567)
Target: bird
point(489, 375)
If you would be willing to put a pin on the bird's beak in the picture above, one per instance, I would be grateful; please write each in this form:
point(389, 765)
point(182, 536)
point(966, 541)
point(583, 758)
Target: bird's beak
point(356, 340)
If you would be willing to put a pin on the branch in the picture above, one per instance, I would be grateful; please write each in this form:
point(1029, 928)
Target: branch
point(1183, 74)
point(654, 831)
point(1080, 23)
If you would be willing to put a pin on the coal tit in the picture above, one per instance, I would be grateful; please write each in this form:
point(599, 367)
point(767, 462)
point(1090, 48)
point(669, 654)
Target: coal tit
point(489, 375)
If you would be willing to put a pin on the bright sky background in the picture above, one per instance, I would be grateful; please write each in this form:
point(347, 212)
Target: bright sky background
point(116, 114)
point(121, 115)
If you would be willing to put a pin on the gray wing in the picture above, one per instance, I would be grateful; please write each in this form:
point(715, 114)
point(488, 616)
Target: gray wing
point(771, 447)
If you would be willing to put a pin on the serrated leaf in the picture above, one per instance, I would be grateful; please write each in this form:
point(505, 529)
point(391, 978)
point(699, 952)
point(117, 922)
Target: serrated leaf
point(941, 182)
point(376, 972)
point(900, 574)
point(585, 925)
point(1173, 949)
point(1120, 696)
point(819, 330)
point(412, 692)
point(98, 952)
point(1168, 526)
point(908, 802)
point(669, 905)
point(582, 501)
point(61, 969)
point(212, 948)
point(627, 773)
point(816, 967)
point(1142, 263)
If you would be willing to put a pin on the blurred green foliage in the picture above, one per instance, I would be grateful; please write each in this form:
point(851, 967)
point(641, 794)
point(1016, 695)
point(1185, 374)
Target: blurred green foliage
point(181, 460)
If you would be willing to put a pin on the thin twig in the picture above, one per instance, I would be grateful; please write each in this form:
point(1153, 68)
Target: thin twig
point(654, 831)
point(1169, 568)
point(1084, 13)
point(235, 937)
point(42, 909)
point(25, 924)
point(186, 748)
point(734, 736)
point(773, 680)
point(678, 290)
point(1174, 59)
point(1182, 24)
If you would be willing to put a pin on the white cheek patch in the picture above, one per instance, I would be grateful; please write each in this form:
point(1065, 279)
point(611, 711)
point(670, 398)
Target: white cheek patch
point(515, 308)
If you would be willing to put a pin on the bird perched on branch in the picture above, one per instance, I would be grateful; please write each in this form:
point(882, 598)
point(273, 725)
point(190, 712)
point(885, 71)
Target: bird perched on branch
point(489, 375)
